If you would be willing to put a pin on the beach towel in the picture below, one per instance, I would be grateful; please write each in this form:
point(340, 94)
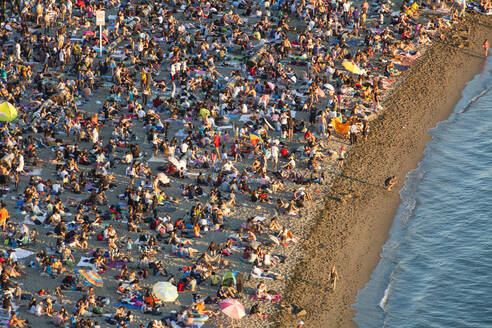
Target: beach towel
point(274, 298)
point(259, 277)
point(117, 264)
point(135, 305)
point(85, 262)
point(157, 159)
point(22, 253)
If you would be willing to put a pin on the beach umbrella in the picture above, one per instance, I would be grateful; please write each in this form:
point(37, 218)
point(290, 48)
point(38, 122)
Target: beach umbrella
point(351, 67)
point(329, 86)
point(340, 127)
point(91, 277)
point(179, 164)
point(173, 160)
point(163, 178)
point(255, 139)
point(8, 112)
point(165, 291)
point(232, 308)
point(204, 112)
point(86, 92)
point(254, 244)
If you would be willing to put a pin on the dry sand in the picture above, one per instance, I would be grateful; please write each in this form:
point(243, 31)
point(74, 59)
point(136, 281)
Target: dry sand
point(350, 234)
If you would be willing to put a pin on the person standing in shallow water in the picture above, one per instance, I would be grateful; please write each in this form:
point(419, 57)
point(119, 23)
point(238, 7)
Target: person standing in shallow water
point(486, 47)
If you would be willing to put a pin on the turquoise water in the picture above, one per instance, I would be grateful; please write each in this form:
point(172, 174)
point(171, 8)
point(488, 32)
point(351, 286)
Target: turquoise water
point(436, 267)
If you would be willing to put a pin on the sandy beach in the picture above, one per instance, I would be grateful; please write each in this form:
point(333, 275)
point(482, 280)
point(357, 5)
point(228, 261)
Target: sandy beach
point(350, 233)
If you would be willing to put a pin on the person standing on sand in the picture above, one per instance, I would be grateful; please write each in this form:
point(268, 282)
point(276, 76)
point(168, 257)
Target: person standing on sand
point(4, 215)
point(365, 127)
point(353, 133)
point(341, 157)
point(217, 144)
point(333, 278)
point(486, 47)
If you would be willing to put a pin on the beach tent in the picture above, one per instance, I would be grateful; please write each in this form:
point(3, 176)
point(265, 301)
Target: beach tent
point(8, 112)
point(340, 127)
point(229, 279)
point(165, 291)
point(351, 67)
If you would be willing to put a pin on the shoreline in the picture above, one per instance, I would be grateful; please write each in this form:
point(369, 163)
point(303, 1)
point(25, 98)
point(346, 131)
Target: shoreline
point(350, 235)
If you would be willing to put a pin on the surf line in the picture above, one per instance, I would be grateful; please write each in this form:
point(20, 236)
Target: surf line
point(474, 99)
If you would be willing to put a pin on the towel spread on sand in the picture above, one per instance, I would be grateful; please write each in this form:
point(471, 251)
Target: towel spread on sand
point(22, 253)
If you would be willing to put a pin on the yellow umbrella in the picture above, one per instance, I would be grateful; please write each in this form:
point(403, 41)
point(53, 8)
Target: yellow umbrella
point(8, 112)
point(204, 112)
point(351, 67)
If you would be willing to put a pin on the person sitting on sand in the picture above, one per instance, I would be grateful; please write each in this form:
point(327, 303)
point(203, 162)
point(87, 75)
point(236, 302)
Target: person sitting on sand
point(261, 291)
point(48, 310)
point(292, 209)
point(274, 225)
point(390, 182)
point(227, 292)
point(286, 236)
point(200, 309)
point(16, 322)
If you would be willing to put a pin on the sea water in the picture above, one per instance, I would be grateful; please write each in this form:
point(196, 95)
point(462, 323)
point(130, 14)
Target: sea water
point(436, 267)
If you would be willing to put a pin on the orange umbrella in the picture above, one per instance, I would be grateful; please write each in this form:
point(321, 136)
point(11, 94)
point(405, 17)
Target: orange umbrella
point(340, 127)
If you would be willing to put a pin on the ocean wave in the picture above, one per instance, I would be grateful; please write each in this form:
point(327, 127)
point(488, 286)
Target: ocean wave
point(474, 99)
point(384, 299)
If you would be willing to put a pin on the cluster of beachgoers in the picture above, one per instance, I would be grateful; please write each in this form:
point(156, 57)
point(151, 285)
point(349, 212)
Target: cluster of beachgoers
point(166, 181)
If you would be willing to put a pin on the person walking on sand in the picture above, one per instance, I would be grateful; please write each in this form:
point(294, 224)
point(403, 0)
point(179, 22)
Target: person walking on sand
point(390, 182)
point(333, 278)
point(341, 157)
point(217, 144)
point(486, 47)
point(4, 215)
point(353, 130)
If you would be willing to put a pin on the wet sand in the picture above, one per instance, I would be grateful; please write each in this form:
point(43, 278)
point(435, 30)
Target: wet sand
point(350, 233)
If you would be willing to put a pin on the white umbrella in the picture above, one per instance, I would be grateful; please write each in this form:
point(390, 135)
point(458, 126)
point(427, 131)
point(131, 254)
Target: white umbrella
point(165, 291)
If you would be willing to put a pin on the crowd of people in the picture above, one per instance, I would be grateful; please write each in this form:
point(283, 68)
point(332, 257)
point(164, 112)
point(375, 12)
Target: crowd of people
point(184, 151)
